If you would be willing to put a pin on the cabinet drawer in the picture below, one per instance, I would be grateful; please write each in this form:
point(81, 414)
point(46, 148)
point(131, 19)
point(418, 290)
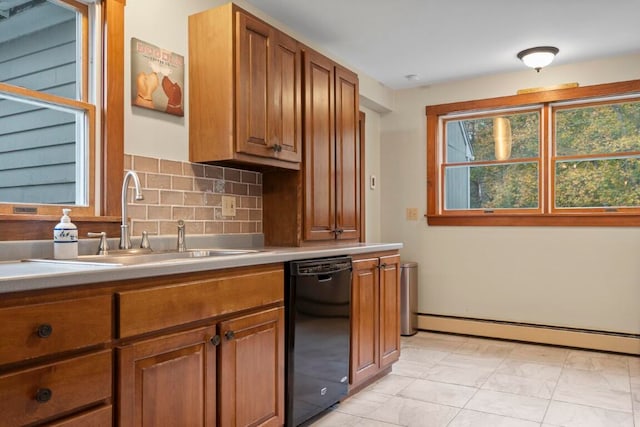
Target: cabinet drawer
point(38, 329)
point(42, 392)
point(152, 309)
point(101, 417)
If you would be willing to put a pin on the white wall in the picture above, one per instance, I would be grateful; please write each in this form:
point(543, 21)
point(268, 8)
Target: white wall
point(583, 277)
point(162, 23)
point(372, 167)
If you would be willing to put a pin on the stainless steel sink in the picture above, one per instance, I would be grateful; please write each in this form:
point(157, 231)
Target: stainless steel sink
point(141, 256)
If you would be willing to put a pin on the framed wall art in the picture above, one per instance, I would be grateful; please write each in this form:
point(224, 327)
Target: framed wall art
point(157, 78)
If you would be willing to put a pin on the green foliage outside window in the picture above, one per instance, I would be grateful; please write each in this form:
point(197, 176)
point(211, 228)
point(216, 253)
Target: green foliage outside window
point(596, 131)
point(597, 164)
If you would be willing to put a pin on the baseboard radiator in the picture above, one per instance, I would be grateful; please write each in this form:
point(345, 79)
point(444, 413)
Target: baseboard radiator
point(566, 337)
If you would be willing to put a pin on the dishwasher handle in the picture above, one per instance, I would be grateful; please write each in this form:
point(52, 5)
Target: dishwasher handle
point(321, 267)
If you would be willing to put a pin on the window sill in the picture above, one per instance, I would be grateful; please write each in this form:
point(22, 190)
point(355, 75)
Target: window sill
point(40, 227)
point(546, 220)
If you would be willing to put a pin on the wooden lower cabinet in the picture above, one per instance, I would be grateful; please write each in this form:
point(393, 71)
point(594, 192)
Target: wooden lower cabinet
point(375, 310)
point(56, 367)
point(49, 390)
point(231, 374)
point(169, 381)
point(101, 417)
point(251, 375)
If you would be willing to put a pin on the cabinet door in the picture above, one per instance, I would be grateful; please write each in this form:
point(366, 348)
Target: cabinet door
point(365, 344)
point(285, 109)
point(347, 156)
point(319, 161)
point(252, 86)
point(252, 370)
point(389, 309)
point(169, 381)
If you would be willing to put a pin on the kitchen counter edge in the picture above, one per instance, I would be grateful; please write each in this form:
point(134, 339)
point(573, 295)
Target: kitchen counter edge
point(190, 265)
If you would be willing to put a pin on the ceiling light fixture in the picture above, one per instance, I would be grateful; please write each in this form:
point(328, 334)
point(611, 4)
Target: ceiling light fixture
point(538, 57)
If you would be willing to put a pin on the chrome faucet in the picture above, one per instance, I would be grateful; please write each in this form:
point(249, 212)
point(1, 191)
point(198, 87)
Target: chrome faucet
point(125, 238)
point(182, 244)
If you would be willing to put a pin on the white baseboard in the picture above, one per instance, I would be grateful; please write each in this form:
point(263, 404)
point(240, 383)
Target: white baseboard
point(593, 340)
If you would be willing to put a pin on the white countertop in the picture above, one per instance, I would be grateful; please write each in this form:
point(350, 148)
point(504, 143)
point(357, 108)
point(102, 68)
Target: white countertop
point(23, 276)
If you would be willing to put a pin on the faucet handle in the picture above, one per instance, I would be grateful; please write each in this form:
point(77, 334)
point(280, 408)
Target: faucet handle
point(144, 243)
point(103, 246)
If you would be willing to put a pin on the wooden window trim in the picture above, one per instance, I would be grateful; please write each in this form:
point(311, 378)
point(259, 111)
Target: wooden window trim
point(553, 218)
point(36, 227)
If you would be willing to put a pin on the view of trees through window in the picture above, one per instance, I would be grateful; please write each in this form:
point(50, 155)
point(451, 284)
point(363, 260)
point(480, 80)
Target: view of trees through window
point(595, 155)
point(510, 184)
point(609, 135)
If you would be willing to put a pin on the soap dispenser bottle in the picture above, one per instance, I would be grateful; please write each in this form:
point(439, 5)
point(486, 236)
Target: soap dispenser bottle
point(65, 238)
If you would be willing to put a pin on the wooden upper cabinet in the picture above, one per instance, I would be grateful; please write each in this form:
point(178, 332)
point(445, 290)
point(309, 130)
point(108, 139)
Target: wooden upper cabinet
point(347, 155)
point(319, 160)
point(286, 106)
point(244, 90)
point(252, 103)
point(332, 150)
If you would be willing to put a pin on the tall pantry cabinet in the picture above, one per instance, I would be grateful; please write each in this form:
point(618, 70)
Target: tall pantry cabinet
point(322, 203)
point(331, 151)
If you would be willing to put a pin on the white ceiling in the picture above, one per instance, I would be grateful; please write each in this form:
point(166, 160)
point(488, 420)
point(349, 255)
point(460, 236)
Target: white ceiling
point(444, 40)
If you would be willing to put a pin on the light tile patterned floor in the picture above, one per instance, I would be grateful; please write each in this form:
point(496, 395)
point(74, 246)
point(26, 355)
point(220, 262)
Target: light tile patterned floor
point(454, 381)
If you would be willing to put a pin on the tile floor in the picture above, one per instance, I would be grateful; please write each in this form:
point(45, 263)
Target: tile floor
point(454, 381)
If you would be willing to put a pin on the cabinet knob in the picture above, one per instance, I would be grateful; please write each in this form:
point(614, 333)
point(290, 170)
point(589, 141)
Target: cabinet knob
point(229, 335)
point(276, 148)
point(383, 266)
point(45, 330)
point(43, 395)
point(215, 340)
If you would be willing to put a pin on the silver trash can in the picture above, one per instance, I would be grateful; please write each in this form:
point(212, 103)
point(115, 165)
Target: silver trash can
point(408, 298)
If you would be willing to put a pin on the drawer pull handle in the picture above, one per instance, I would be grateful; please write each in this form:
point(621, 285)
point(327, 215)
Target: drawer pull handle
point(229, 335)
point(43, 395)
point(215, 340)
point(45, 330)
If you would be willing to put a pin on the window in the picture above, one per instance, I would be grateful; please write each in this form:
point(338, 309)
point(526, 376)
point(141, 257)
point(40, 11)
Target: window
point(19, 221)
point(561, 157)
point(597, 155)
point(47, 116)
point(492, 161)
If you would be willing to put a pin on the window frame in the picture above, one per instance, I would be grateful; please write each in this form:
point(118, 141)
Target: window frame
point(108, 173)
point(547, 216)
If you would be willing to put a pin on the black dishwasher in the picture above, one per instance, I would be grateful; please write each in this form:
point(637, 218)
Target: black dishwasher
point(318, 308)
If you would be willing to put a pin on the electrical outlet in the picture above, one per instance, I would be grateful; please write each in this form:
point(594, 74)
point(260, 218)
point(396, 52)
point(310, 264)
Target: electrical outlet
point(412, 214)
point(228, 206)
